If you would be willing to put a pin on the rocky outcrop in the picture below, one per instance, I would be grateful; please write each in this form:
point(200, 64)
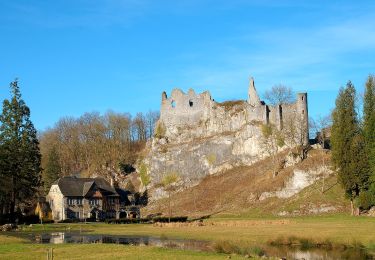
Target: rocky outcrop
point(219, 144)
point(196, 136)
point(297, 182)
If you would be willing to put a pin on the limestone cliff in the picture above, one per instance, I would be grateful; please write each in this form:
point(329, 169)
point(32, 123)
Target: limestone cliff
point(196, 136)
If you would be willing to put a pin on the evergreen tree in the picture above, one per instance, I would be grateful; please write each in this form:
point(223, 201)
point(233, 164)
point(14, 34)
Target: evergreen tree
point(347, 142)
point(21, 156)
point(369, 128)
point(52, 169)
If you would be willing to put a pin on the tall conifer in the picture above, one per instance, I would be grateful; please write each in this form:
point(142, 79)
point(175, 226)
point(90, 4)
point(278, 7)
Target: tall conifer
point(21, 156)
point(52, 169)
point(345, 142)
point(369, 128)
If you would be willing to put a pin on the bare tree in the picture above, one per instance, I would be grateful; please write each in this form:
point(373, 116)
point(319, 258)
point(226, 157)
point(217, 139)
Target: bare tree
point(151, 118)
point(321, 126)
point(94, 143)
point(169, 184)
point(279, 94)
point(139, 123)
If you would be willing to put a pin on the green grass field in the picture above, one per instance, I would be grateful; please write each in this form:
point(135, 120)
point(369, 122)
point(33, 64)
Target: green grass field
point(14, 248)
point(337, 229)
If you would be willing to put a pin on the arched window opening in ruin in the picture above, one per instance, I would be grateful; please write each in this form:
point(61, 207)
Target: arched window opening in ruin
point(302, 97)
point(173, 103)
point(303, 112)
point(190, 103)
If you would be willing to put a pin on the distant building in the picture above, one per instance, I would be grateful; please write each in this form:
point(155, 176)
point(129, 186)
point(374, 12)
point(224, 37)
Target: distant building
point(87, 198)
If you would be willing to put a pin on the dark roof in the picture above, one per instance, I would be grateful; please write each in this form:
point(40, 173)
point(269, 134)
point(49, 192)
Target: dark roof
point(73, 186)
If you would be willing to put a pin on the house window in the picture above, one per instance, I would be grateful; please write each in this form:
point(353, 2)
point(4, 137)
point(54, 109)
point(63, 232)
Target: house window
point(74, 201)
point(94, 202)
point(191, 103)
point(112, 201)
point(73, 215)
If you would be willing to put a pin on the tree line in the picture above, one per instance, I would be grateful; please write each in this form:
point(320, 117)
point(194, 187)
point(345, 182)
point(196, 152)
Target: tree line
point(91, 144)
point(353, 144)
point(94, 144)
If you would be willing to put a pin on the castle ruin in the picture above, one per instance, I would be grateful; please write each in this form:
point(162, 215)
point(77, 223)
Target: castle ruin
point(201, 136)
point(190, 109)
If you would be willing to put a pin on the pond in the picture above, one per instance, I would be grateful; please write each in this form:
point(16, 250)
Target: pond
point(287, 252)
point(82, 238)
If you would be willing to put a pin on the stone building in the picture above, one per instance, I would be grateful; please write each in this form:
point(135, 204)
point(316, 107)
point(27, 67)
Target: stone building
point(88, 198)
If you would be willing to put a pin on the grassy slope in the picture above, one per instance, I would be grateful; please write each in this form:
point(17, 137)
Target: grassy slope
point(235, 193)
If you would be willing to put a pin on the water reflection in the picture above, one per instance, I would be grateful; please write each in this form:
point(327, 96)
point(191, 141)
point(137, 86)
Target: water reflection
point(71, 237)
point(284, 252)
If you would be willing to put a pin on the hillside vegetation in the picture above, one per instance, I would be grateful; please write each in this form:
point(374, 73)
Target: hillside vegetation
point(241, 192)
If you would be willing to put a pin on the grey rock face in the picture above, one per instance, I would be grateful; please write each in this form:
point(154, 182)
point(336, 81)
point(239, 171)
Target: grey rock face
point(202, 137)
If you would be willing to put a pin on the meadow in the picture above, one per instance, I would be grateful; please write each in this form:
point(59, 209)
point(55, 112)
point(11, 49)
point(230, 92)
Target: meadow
point(335, 231)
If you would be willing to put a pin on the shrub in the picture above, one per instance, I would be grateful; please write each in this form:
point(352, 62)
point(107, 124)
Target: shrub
point(228, 105)
point(211, 158)
point(172, 219)
point(47, 221)
point(160, 130)
point(226, 247)
point(128, 220)
point(143, 172)
point(365, 200)
point(29, 219)
point(68, 220)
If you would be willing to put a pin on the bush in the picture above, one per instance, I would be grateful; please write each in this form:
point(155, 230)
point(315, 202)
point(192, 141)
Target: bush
point(68, 220)
point(211, 158)
point(145, 220)
point(226, 247)
point(47, 221)
point(143, 172)
point(160, 130)
point(172, 219)
point(365, 200)
point(29, 219)
point(127, 220)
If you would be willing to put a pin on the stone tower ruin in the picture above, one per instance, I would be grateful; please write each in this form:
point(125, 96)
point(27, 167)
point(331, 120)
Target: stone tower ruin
point(190, 109)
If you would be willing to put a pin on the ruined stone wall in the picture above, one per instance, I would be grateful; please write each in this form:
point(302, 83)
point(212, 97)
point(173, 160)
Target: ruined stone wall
point(205, 137)
point(184, 109)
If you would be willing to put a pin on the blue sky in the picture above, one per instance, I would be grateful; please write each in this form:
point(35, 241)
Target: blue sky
point(80, 56)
